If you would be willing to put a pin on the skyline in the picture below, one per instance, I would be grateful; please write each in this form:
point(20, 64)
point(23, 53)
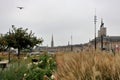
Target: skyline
point(62, 18)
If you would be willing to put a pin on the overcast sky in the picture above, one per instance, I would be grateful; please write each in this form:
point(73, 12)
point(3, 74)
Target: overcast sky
point(62, 18)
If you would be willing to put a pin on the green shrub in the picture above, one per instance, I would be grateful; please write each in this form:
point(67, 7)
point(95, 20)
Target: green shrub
point(45, 66)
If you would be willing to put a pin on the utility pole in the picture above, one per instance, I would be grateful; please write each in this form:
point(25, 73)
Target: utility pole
point(95, 20)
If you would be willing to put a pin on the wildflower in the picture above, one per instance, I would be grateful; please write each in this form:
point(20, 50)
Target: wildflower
point(48, 61)
point(36, 63)
point(40, 62)
point(52, 77)
point(25, 74)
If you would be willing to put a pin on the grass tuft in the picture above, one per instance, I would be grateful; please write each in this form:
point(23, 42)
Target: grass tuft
point(91, 65)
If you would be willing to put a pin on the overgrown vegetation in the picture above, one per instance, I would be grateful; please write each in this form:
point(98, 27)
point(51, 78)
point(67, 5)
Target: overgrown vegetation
point(13, 72)
point(89, 66)
point(44, 68)
point(26, 70)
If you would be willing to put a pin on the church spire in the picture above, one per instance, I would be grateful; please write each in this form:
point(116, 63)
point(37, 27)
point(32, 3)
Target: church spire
point(52, 42)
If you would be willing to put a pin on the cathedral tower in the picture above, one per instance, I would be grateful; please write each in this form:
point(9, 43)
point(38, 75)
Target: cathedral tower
point(102, 30)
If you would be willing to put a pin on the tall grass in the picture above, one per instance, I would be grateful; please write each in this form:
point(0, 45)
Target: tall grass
point(14, 71)
point(91, 65)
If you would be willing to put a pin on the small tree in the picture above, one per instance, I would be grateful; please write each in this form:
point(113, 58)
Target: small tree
point(19, 38)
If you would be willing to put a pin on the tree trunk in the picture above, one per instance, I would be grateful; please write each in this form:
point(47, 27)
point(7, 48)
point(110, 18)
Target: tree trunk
point(9, 56)
point(18, 53)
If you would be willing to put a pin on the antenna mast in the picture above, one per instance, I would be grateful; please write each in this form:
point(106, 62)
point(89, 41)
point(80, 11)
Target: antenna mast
point(95, 20)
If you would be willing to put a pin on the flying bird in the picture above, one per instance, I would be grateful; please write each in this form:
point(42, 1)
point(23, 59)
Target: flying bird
point(20, 8)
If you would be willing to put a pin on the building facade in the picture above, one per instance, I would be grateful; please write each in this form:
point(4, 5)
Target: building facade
point(103, 42)
point(106, 42)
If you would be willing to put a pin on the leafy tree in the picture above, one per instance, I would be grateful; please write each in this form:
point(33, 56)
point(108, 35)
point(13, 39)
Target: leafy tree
point(19, 38)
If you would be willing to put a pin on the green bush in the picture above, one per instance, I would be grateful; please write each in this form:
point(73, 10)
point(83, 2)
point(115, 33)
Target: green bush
point(45, 66)
point(19, 70)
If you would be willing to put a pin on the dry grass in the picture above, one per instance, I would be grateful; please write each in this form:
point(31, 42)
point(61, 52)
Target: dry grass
point(89, 65)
